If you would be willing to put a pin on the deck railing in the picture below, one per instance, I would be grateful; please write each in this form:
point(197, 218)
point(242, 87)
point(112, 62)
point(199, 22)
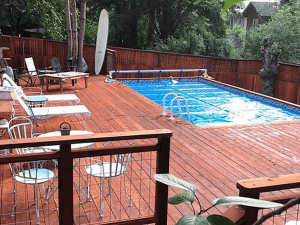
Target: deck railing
point(276, 189)
point(152, 151)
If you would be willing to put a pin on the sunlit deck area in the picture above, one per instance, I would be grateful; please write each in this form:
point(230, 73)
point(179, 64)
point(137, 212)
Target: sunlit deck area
point(211, 158)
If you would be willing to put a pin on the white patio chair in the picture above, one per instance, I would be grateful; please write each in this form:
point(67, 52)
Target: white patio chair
point(29, 173)
point(80, 111)
point(107, 167)
point(22, 127)
point(37, 92)
point(33, 73)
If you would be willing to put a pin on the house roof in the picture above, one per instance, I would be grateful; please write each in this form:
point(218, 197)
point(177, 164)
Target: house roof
point(263, 8)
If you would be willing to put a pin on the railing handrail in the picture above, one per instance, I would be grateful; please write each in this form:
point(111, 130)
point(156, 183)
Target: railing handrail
point(179, 106)
point(86, 138)
point(65, 164)
point(159, 72)
point(252, 188)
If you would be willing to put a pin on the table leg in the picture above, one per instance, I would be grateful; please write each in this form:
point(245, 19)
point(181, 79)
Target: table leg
point(86, 82)
point(47, 83)
point(61, 85)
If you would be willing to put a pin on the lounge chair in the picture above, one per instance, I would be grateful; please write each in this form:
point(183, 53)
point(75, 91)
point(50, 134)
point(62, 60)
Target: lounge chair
point(80, 111)
point(70, 98)
point(34, 73)
point(56, 65)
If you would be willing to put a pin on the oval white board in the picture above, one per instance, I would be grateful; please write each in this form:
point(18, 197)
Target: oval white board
point(101, 40)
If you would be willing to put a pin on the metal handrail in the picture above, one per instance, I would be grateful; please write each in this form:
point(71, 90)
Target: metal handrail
point(178, 102)
point(164, 102)
point(158, 71)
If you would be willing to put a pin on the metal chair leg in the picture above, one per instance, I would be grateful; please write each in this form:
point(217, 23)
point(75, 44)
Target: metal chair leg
point(129, 200)
point(13, 214)
point(102, 198)
point(36, 204)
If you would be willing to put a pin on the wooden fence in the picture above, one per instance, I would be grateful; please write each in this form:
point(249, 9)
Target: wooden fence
point(240, 73)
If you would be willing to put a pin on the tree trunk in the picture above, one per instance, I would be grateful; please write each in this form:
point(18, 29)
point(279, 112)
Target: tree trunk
point(151, 26)
point(81, 33)
point(69, 29)
point(74, 34)
point(133, 32)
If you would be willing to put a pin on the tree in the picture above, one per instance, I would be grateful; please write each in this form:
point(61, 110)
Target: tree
point(81, 33)
point(69, 29)
point(17, 15)
point(75, 43)
point(281, 30)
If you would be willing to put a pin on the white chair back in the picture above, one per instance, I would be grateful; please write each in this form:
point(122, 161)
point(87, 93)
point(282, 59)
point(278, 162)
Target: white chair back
point(22, 129)
point(30, 66)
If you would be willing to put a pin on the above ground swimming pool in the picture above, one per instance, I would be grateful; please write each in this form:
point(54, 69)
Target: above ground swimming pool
point(211, 103)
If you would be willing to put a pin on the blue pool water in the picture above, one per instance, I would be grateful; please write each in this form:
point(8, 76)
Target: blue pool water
point(210, 103)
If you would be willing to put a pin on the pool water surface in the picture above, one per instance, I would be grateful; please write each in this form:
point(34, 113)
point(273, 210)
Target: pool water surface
point(211, 103)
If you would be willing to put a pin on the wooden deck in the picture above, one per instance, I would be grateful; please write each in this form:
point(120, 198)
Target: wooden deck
point(212, 158)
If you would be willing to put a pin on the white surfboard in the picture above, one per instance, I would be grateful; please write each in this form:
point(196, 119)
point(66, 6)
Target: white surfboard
point(101, 40)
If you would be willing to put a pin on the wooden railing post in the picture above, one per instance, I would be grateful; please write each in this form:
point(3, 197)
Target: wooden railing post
point(161, 194)
point(65, 185)
point(251, 213)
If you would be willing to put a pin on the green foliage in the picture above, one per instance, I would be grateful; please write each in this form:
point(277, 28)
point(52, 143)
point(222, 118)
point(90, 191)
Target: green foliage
point(17, 15)
point(190, 197)
point(51, 17)
point(281, 30)
point(91, 29)
point(191, 219)
point(198, 44)
point(229, 3)
point(238, 34)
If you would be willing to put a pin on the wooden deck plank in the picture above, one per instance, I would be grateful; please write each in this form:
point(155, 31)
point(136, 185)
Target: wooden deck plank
point(211, 158)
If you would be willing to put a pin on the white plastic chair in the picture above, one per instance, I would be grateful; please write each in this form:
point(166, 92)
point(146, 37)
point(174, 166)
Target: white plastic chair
point(29, 173)
point(107, 167)
point(22, 127)
point(32, 72)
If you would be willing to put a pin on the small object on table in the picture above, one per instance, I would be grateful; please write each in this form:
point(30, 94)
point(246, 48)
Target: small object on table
point(65, 128)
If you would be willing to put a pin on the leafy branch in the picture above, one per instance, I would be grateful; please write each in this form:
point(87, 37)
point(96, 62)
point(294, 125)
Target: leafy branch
point(190, 197)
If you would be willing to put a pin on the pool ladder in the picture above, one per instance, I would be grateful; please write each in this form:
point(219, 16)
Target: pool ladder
point(177, 98)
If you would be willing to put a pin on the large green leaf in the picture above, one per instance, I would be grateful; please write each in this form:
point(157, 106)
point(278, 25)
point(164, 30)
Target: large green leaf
point(236, 200)
point(229, 3)
point(219, 220)
point(192, 220)
point(187, 197)
point(171, 180)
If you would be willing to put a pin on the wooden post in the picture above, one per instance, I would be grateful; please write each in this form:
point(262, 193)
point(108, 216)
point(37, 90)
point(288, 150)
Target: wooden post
point(65, 185)
point(251, 213)
point(161, 193)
